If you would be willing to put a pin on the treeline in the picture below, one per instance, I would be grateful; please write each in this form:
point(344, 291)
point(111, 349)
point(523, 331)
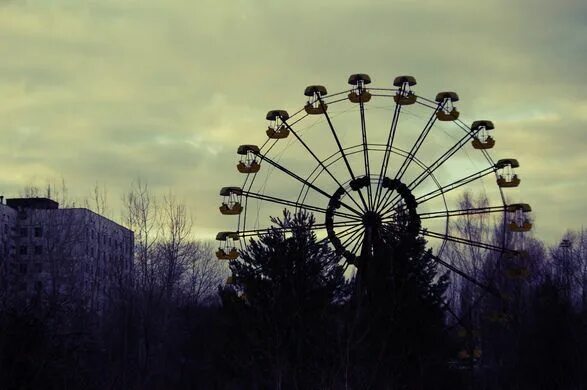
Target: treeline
point(138, 337)
point(530, 332)
point(293, 317)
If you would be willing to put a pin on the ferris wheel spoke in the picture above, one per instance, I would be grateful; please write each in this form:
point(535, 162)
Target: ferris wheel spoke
point(466, 241)
point(341, 149)
point(414, 150)
point(421, 138)
point(454, 185)
point(442, 159)
point(303, 181)
point(492, 290)
point(365, 151)
point(426, 102)
point(389, 206)
point(387, 153)
point(344, 233)
point(358, 244)
point(462, 212)
point(352, 237)
point(320, 162)
point(291, 203)
point(286, 229)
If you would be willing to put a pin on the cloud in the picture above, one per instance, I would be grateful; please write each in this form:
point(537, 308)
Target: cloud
point(166, 90)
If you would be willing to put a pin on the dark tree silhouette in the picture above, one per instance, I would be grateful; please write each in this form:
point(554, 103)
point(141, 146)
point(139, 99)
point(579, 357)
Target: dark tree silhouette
point(280, 310)
point(398, 328)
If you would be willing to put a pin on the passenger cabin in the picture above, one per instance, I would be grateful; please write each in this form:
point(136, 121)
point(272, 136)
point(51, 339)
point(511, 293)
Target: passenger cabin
point(448, 112)
point(481, 137)
point(506, 176)
point(315, 104)
point(277, 128)
point(520, 222)
point(226, 249)
point(359, 94)
point(404, 95)
point(231, 204)
point(248, 163)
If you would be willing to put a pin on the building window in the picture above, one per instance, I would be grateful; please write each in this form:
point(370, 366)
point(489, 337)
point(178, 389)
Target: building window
point(38, 232)
point(23, 232)
point(38, 267)
point(22, 268)
point(38, 286)
point(23, 250)
point(38, 250)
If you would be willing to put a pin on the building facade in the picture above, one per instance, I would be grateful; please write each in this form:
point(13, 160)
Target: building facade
point(66, 256)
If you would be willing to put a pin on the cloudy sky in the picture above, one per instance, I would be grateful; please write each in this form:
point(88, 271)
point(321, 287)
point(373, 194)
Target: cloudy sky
point(108, 91)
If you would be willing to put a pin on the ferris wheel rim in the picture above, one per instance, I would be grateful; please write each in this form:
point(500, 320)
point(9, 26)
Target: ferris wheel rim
point(421, 100)
point(341, 154)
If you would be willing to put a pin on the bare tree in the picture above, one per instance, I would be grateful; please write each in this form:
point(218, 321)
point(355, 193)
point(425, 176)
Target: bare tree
point(141, 214)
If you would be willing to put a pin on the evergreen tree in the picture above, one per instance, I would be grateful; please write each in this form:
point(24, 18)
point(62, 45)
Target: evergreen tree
point(280, 312)
point(398, 328)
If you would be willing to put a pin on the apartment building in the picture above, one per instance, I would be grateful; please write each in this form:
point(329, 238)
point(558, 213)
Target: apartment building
point(70, 255)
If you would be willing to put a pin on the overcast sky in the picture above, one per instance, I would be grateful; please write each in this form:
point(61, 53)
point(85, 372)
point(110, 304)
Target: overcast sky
point(107, 91)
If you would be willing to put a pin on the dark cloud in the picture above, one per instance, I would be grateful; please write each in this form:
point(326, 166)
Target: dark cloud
point(166, 90)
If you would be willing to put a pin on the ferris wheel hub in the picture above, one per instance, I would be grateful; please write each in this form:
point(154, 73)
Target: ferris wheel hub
point(395, 216)
point(372, 219)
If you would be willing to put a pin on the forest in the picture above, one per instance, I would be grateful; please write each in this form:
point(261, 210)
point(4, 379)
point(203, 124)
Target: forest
point(288, 315)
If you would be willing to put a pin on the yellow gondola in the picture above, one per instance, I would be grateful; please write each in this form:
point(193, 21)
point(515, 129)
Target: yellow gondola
point(404, 95)
point(315, 105)
point(253, 167)
point(230, 203)
point(503, 182)
point(316, 108)
point(230, 255)
point(482, 140)
point(448, 112)
point(507, 177)
point(487, 144)
point(359, 97)
point(225, 250)
point(280, 133)
point(359, 94)
point(236, 209)
point(405, 100)
point(524, 227)
point(520, 221)
point(248, 164)
point(277, 130)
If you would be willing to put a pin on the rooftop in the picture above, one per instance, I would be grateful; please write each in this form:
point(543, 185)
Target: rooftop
point(32, 203)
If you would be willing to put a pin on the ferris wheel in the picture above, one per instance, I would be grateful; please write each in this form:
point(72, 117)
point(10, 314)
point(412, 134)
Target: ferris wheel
point(402, 176)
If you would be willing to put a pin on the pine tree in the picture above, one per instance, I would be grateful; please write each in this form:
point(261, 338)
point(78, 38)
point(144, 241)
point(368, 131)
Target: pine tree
point(288, 285)
point(401, 339)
